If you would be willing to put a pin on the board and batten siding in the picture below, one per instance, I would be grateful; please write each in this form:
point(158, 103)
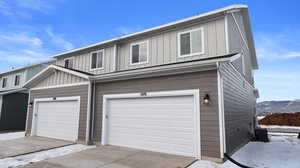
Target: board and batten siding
point(11, 80)
point(60, 78)
point(163, 48)
point(206, 82)
point(237, 44)
point(239, 108)
point(81, 90)
point(82, 60)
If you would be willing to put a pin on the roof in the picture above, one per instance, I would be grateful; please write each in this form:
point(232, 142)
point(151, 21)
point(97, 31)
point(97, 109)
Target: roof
point(12, 91)
point(157, 28)
point(44, 74)
point(28, 66)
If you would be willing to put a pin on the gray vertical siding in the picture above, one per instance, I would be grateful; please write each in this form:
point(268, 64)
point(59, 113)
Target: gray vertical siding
point(60, 78)
point(239, 107)
point(206, 82)
point(81, 91)
point(163, 48)
point(236, 43)
point(11, 80)
point(82, 60)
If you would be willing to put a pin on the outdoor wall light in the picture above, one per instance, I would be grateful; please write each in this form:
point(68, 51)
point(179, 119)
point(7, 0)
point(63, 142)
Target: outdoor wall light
point(206, 100)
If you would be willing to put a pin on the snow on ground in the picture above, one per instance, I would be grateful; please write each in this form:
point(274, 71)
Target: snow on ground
point(281, 152)
point(280, 126)
point(11, 135)
point(40, 156)
point(204, 164)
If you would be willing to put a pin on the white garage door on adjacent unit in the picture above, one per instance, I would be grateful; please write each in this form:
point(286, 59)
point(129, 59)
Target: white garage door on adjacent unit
point(57, 119)
point(165, 122)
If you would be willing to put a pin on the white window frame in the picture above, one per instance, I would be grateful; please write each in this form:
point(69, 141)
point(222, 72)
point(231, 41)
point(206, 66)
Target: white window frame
point(138, 43)
point(202, 41)
point(103, 55)
point(2, 82)
point(69, 58)
point(19, 79)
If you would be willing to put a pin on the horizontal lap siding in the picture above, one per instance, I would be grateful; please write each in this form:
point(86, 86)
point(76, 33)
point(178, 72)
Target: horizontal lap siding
point(239, 106)
point(206, 82)
point(81, 91)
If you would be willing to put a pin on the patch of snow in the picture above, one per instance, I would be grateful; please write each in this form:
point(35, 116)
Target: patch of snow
point(204, 164)
point(279, 126)
point(11, 135)
point(280, 152)
point(40, 156)
point(260, 117)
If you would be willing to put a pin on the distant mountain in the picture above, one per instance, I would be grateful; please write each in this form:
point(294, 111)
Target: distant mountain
point(268, 107)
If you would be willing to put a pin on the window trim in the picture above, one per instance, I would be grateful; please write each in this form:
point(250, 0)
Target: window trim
point(202, 41)
point(5, 82)
point(19, 79)
point(103, 55)
point(69, 58)
point(130, 54)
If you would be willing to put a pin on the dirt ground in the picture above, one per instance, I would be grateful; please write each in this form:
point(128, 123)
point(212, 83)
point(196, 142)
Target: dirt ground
point(287, 119)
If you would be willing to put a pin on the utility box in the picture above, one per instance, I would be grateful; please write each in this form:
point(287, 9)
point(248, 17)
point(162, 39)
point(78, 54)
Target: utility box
point(261, 135)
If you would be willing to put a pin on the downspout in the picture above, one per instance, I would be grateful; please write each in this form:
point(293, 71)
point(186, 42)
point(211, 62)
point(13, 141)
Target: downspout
point(93, 110)
point(88, 117)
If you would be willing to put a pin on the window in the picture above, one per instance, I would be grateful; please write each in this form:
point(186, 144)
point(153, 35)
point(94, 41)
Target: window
point(97, 58)
point(191, 42)
point(69, 63)
point(4, 82)
point(139, 53)
point(17, 80)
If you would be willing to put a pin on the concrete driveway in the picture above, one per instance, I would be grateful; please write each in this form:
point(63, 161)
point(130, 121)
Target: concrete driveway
point(114, 157)
point(15, 147)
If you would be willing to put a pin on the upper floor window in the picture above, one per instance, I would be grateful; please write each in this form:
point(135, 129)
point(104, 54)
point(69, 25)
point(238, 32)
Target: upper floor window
point(191, 42)
point(4, 82)
point(97, 58)
point(69, 63)
point(139, 53)
point(17, 80)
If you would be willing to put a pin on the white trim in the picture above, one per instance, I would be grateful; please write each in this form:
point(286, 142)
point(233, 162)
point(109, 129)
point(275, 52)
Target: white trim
point(221, 10)
point(194, 92)
point(73, 62)
point(88, 116)
point(240, 31)
point(243, 63)
point(115, 57)
point(139, 43)
point(58, 68)
point(103, 55)
point(221, 114)
point(226, 34)
point(34, 113)
point(60, 86)
point(14, 79)
point(27, 115)
point(190, 32)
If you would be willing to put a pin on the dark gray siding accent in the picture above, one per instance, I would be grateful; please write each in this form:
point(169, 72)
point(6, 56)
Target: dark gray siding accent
point(239, 107)
point(13, 114)
point(81, 91)
point(206, 82)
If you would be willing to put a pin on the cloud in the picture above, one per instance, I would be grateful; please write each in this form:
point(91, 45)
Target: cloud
point(20, 38)
point(23, 57)
point(276, 46)
point(37, 5)
point(58, 40)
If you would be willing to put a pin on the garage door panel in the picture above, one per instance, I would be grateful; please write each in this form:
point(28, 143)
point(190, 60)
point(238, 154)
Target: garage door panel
point(58, 119)
point(162, 124)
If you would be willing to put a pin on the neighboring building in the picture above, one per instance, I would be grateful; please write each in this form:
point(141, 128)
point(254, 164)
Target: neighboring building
point(14, 98)
point(183, 88)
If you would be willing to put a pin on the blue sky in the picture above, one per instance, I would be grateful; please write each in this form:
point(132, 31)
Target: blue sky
point(33, 30)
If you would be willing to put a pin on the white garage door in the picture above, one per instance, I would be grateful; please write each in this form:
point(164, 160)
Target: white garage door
point(57, 119)
point(161, 124)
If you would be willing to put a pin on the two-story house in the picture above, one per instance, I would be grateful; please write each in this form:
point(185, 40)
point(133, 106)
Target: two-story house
point(14, 98)
point(183, 88)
